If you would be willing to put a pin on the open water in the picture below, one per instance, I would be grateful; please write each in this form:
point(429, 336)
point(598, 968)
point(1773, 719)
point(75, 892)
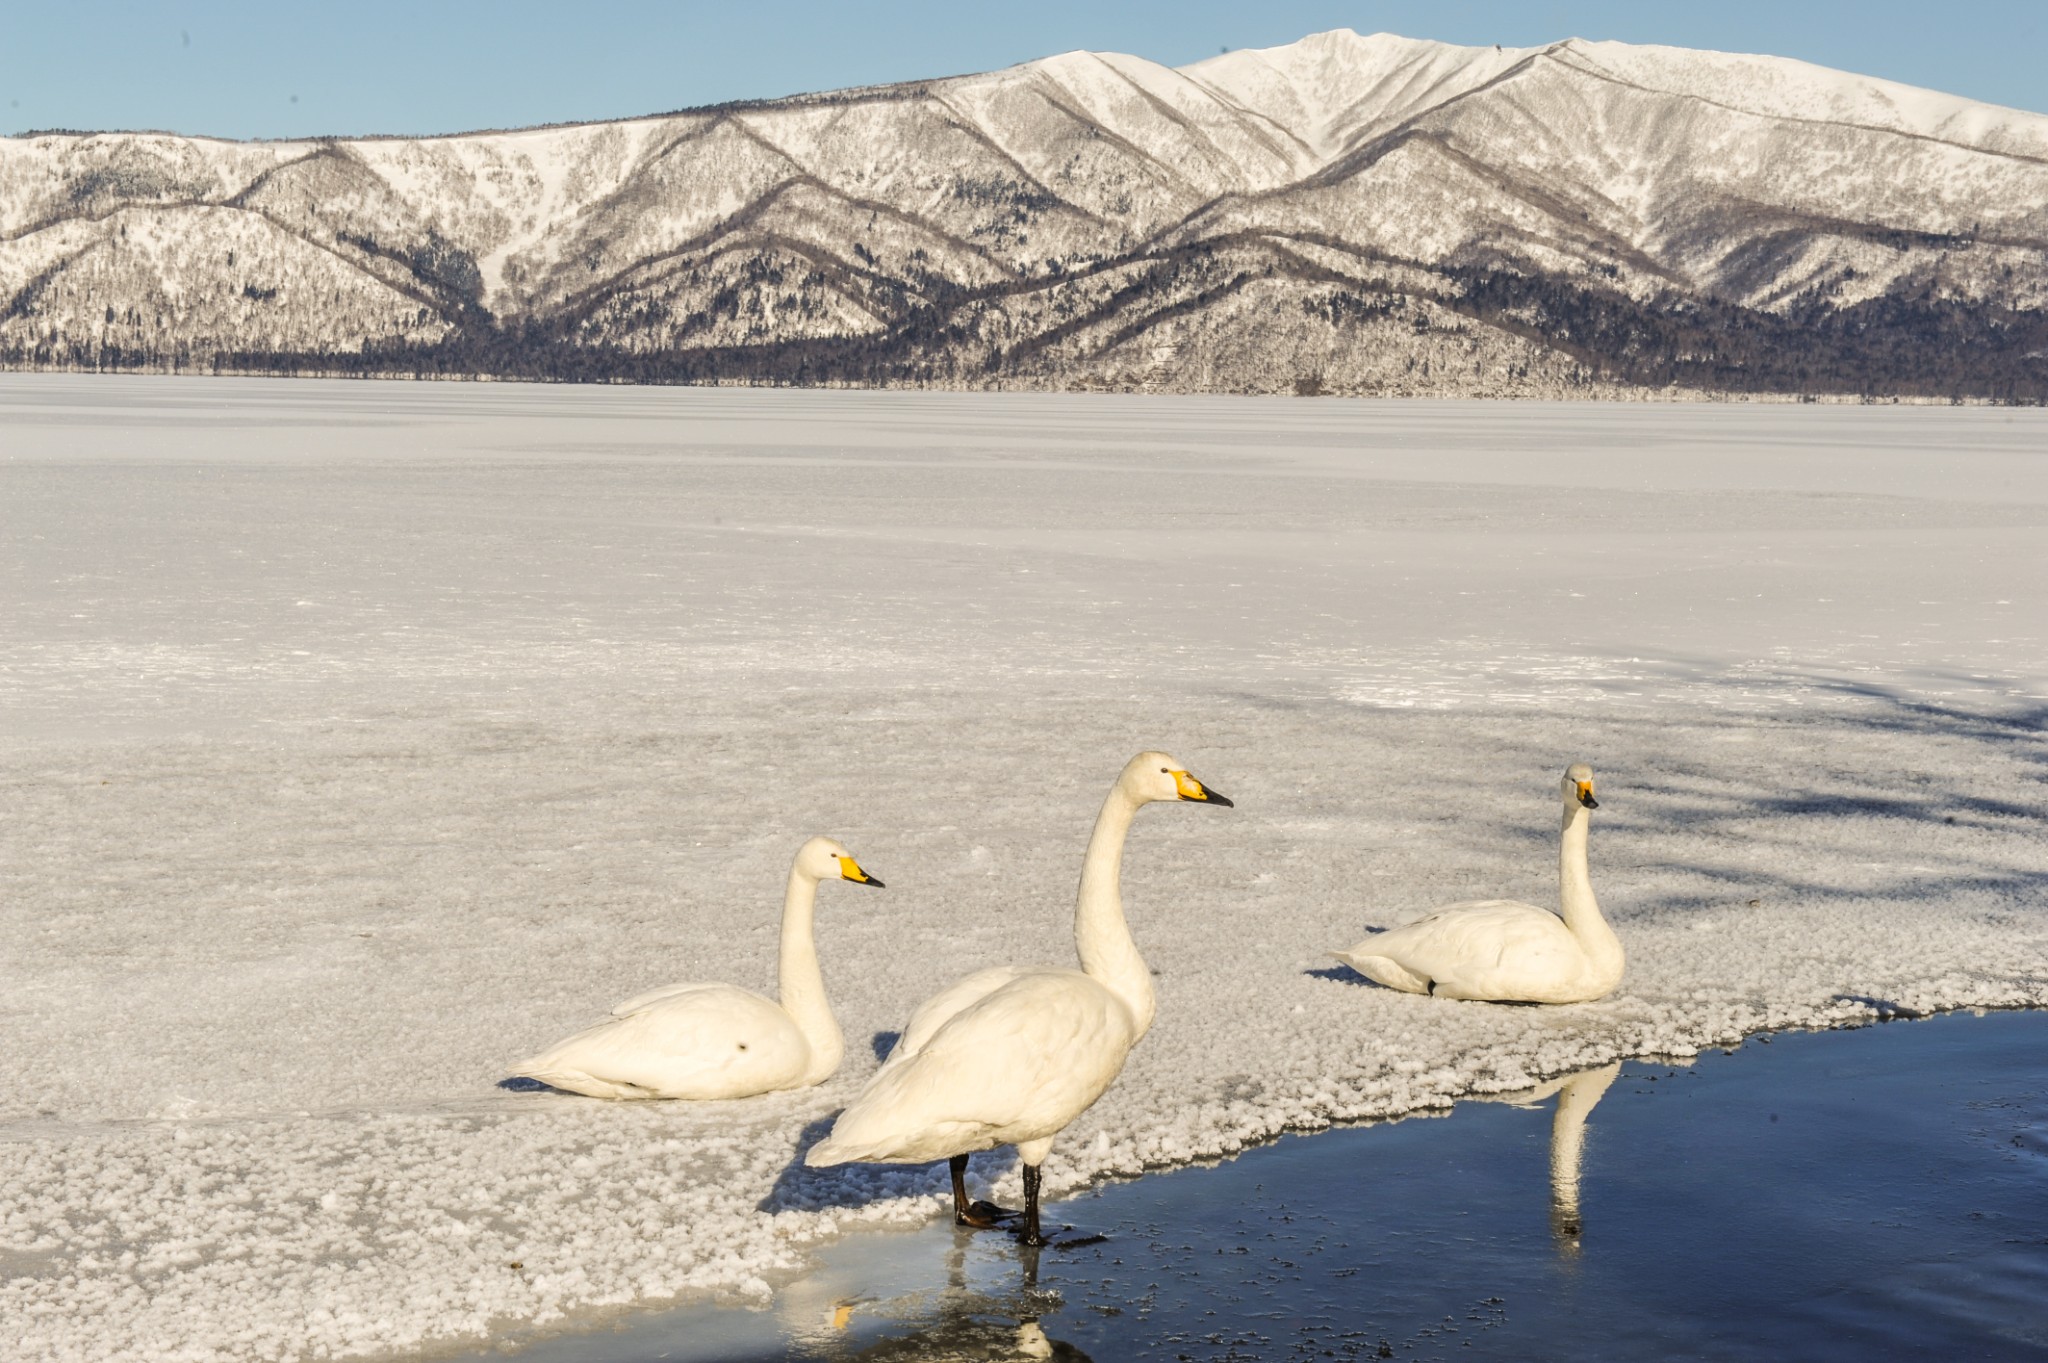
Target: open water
point(1876, 1194)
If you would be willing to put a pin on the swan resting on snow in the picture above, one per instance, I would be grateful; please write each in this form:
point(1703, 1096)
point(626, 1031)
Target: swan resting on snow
point(1011, 1055)
point(1504, 951)
point(717, 1040)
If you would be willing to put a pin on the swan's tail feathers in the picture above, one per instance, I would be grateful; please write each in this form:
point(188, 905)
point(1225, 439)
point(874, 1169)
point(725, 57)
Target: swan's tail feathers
point(827, 1153)
point(885, 1143)
point(1382, 969)
point(576, 1081)
point(847, 1147)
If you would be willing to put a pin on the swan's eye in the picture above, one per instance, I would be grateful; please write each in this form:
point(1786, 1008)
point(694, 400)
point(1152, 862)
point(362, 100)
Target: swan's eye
point(1166, 771)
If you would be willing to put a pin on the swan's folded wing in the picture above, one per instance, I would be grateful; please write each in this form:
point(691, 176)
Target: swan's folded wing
point(1489, 947)
point(1474, 933)
point(702, 1041)
point(1020, 1063)
point(942, 1007)
point(642, 1000)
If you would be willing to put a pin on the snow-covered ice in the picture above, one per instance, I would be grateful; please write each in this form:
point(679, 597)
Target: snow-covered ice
point(362, 739)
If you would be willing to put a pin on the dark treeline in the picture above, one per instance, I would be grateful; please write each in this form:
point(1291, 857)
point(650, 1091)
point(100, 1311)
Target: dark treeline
point(1892, 346)
point(1885, 347)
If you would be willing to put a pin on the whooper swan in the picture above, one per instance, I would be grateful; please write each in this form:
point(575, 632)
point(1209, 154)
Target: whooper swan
point(1504, 951)
point(1011, 1055)
point(717, 1040)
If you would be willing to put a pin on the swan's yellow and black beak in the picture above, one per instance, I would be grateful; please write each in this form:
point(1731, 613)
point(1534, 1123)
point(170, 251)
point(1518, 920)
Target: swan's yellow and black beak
point(1586, 795)
point(1191, 789)
point(849, 869)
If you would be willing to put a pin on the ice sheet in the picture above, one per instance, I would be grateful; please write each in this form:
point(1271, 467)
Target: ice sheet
point(364, 738)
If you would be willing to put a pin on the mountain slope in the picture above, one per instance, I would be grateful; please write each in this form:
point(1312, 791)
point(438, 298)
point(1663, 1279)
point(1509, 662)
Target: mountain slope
point(1353, 214)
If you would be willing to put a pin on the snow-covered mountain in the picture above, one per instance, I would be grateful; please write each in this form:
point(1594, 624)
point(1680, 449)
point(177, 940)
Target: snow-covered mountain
point(1345, 214)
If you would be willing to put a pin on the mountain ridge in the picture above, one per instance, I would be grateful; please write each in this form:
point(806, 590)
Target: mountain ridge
point(1342, 214)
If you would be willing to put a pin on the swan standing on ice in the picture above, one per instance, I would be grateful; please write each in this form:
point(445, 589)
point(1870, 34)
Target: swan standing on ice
point(1011, 1055)
point(717, 1040)
point(1504, 951)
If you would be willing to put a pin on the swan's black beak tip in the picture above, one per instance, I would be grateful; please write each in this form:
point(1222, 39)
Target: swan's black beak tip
point(1192, 790)
point(1586, 799)
point(1215, 799)
point(849, 869)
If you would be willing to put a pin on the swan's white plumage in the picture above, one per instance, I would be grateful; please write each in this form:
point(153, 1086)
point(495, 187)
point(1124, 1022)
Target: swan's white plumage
point(1503, 950)
point(1013, 1066)
point(684, 1041)
point(701, 1041)
point(1484, 949)
point(936, 1011)
point(1011, 1055)
point(652, 996)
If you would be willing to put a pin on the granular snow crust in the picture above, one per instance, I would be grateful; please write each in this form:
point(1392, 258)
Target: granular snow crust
point(364, 739)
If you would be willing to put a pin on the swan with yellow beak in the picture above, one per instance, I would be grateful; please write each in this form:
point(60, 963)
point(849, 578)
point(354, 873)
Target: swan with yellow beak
point(1502, 950)
point(1012, 1055)
point(718, 1040)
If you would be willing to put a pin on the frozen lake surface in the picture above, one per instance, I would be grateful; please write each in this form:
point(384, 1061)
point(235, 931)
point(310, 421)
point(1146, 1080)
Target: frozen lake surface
point(1880, 1193)
point(363, 738)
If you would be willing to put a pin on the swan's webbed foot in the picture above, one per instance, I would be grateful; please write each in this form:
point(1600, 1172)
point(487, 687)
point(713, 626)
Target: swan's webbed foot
point(977, 1214)
point(983, 1215)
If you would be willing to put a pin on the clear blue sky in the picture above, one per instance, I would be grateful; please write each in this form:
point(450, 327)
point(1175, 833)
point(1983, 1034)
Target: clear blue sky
point(230, 68)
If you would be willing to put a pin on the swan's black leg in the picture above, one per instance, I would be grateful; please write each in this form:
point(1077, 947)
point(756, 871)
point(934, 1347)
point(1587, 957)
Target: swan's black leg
point(1029, 1235)
point(980, 1215)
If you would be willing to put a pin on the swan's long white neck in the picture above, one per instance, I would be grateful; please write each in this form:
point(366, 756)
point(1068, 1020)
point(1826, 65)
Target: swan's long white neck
point(1100, 934)
point(802, 983)
point(1575, 894)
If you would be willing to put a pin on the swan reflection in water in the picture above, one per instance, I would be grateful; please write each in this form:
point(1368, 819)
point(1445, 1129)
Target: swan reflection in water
point(953, 1324)
point(1577, 1095)
point(959, 1324)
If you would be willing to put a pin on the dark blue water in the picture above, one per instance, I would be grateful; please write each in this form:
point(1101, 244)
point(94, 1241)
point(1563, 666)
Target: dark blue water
point(1869, 1195)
